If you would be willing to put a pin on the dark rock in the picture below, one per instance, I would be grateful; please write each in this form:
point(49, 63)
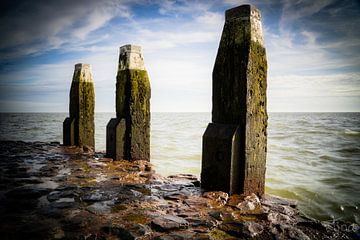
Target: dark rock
point(169, 222)
point(181, 235)
point(217, 215)
point(56, 195)
point(132, 232)
point(95, 196)
point(243, 229)
point(293, 232)
point(174, 196)
point(27, 192)
point(278, 218)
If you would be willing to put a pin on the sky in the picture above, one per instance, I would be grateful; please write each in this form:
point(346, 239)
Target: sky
point(313, 51)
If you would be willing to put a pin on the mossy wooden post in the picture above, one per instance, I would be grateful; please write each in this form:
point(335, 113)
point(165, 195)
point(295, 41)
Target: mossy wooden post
point(79, 127)
point(235, 143)
point(128, 135)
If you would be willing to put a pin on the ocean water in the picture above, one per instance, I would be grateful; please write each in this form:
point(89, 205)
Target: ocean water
point(312, 157)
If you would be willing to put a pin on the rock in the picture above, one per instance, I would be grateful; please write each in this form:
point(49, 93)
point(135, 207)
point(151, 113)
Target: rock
point(182, 176)
point(217, 215)
point(216, 195)
point(242, 229)
point(278, 218)
point(95, 196)
point(181, 235)
point(26, 192)
point(56, 195)
point(293, 233)
point(252, 229)
point(169, 222)
point(57, 233)
point(174, 196)
point(132, 232)
point(217, 199)
point(100, 208)
point(250, 205)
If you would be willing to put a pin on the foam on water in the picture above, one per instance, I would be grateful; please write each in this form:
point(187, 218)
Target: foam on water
point(312, 157)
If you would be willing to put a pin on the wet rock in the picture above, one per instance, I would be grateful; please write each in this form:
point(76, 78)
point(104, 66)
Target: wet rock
point(190, 177)
point(26, 192)
point(77, 219)
point(216, 199)
point(181, 235)
point(196, 222)
point(169, 222)
point(250, 205)
point(28, 180)
point(252, 229)
point(168, 205)
point(95, 196)
point(100, 208)
point(132, 232)
point(293, 233)
point(217, 215)
point(174, 196)
point(57, 233)
point(243, 229)
point(278, 218)
point(56, 195)
point(63, 204)
point(51, 212)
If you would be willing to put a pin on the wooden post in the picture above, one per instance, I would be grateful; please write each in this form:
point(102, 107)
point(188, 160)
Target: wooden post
point(235, 143)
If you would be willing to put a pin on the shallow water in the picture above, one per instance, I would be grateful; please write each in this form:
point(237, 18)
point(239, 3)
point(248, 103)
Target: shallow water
point(312, 157)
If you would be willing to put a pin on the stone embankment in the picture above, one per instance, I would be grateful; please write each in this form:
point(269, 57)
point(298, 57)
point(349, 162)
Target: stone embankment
point(48, 191)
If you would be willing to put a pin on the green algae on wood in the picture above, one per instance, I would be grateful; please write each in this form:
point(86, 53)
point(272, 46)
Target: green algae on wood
point(128, 135)
point(79, 127)
point(236, 139)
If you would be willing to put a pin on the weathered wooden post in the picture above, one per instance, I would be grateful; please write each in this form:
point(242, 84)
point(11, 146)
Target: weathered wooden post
point(79, 128)
point(128, 135)
point(235, 143)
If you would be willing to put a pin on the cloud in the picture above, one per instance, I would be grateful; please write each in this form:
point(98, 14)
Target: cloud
point(32, 26)
point(312, 47)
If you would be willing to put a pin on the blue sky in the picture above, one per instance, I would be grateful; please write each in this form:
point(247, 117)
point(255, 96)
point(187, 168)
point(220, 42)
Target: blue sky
point(313, 50)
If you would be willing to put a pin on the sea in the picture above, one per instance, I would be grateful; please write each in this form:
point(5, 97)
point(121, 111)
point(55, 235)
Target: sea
point(313, 158)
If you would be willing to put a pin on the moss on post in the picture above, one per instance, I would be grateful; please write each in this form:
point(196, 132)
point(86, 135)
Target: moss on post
point(128, 137)
point(79, 128)
point(239, 108)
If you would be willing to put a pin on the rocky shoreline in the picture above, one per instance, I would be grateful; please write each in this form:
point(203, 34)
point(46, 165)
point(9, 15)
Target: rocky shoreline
point(48, 191)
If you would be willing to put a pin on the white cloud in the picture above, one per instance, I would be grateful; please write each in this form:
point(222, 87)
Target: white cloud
point(179, 55)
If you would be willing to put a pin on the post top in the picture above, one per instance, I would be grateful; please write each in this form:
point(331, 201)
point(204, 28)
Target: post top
point(130, 48)
point(131, 57)
point(82, 73)
point(79, 66)
point(243, 11)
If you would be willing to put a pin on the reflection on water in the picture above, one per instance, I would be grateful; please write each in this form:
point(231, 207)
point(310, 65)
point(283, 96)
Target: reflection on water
point(312, 157)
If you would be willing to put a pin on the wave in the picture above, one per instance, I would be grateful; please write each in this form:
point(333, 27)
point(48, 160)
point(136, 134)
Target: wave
point(352, 132)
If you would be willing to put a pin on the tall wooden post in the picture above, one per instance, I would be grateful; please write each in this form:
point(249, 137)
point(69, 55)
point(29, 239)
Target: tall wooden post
point(128, 135)
point(79, 127)
point(235, 143)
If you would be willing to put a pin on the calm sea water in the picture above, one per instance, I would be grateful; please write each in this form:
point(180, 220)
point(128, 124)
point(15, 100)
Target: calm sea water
point(312, 157)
